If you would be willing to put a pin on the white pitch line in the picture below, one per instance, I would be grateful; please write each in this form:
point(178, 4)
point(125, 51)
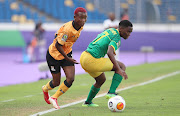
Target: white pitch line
point(29, 96)
point(8, 100)
point(101, 95)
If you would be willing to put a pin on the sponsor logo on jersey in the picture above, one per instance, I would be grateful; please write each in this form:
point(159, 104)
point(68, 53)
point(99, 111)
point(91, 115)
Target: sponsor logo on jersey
point(64, 38)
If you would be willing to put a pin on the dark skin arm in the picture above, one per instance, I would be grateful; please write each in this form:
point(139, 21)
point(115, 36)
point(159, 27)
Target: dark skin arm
point(60, 49)
point(116, 66)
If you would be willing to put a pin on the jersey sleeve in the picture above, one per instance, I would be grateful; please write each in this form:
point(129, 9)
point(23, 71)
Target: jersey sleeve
point(62, 37)
point(115, 42)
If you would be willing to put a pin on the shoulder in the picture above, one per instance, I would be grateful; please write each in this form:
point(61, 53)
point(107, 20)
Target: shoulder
point(66, 28)
point(68, 25)
point(113, 31)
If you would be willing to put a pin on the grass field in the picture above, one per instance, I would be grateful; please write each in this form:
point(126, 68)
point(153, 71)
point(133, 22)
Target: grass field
point(160, 98)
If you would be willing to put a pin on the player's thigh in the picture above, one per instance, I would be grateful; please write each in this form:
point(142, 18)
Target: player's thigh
point(54, 65)
point(100, 65)
point(69, 72)
point(68, 67)
point(94, 74)
point(91, 64)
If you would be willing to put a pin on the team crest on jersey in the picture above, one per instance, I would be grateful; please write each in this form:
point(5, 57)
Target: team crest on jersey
point(118, 44)
point(64, 38)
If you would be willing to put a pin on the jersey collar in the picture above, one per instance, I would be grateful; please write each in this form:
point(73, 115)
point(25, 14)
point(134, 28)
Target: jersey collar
point(75, 28)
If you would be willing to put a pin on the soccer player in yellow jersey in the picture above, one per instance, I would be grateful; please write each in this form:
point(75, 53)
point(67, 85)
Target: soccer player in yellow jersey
point(59, 55)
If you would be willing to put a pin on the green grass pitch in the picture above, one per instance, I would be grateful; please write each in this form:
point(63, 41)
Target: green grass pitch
point(160, 98)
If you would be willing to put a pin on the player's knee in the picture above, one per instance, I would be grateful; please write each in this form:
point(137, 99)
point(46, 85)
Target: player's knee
point(56, 83)
point(98, 84)
point(70, 80)
point(101, 81)
point(123, 67)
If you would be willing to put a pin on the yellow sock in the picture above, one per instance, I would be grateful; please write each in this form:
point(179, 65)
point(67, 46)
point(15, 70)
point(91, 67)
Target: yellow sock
point(47, 87)
point(62, 89)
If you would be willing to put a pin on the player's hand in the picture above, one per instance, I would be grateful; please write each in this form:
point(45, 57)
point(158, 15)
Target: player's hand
point(125, 75)
point(122, 73)
point(72, 60)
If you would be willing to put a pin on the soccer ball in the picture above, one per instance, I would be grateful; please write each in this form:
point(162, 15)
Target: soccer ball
point(116, 104)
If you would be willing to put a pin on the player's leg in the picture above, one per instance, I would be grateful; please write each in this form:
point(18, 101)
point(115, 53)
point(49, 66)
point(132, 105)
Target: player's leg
point(94, 90)
point(51, 85)
point(55, 71)
point(116, 80)
point(95, 67)
point(122, 66)
point(69, 72)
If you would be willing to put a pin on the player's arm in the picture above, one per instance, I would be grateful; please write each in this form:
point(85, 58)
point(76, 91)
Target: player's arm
point(116, 66)
point(110, 54)
point(61, 39)
point(60, 49)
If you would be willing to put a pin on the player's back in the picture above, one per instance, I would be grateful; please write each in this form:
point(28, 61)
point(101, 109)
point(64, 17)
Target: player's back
point(99, 46)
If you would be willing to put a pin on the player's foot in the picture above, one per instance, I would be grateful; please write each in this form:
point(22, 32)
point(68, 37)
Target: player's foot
point(54, 102)
point(86, 104)
point(46, 96)
point(110, 95)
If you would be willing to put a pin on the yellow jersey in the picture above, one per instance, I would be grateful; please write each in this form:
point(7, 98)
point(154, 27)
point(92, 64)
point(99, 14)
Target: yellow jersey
point(65, 36)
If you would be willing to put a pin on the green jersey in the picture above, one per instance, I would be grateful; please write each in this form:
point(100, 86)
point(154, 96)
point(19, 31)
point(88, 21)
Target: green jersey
point(99, 46)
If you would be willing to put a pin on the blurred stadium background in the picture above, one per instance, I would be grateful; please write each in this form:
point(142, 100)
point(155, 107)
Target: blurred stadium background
point(50, 11)
point(156, 24)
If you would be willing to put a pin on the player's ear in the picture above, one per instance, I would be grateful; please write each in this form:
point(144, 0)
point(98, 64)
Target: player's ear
point(120, 28)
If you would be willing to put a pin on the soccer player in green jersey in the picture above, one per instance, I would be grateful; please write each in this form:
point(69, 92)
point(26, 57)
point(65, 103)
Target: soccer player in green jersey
point(92, 60)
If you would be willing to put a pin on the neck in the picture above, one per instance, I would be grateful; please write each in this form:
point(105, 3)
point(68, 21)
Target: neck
point(77, 27)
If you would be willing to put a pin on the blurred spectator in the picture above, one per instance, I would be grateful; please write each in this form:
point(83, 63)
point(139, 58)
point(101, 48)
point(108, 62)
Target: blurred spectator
point(39, 41)
point(30, 50)
point(124, 14)
point(112, 22)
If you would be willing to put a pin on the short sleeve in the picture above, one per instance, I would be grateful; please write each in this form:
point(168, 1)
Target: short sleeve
point(115, 43)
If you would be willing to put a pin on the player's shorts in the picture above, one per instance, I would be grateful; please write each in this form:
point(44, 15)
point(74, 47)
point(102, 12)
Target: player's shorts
point(95, 66)
point(55, 65)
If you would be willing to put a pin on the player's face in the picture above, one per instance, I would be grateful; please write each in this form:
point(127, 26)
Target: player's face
point(125, 32)
point(80, 18)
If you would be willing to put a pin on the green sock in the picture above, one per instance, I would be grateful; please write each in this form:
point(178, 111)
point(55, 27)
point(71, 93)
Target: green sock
point(92, 93)
point(115, 82)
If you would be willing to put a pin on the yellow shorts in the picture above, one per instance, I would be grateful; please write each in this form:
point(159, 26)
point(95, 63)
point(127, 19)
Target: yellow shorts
point(95, 66)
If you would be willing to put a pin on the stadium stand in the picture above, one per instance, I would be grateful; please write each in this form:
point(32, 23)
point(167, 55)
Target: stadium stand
point(28, 11)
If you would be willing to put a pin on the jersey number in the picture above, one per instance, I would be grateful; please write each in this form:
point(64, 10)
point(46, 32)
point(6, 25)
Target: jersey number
point(106, 34)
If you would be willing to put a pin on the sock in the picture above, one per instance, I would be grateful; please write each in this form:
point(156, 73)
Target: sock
point(48, 86)
point(92, 93)
point(115, 82)
point(62, 89)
